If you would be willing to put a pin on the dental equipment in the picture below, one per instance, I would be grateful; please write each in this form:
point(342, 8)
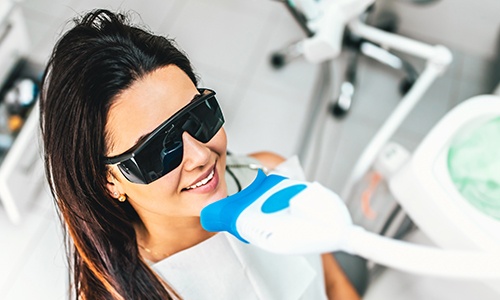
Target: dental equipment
point(438, 58)
point(427, 188)
point(327, 20)
point(295, 217)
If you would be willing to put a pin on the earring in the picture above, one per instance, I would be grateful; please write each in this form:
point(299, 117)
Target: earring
point(115, 194)
point(122, 198)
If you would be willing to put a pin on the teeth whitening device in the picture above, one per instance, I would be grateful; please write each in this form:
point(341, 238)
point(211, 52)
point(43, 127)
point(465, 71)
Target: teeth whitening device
point(294, 217)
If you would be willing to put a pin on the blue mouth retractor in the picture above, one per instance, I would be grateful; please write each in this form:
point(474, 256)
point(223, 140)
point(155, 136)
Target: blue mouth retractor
point(223, 214)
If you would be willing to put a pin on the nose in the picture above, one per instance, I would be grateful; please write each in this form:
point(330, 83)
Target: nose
point(196, 154)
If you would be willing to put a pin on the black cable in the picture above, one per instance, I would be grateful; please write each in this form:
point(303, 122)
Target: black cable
point(299, 17)
point(406, 226)
point(390, 219)
point(238, 184)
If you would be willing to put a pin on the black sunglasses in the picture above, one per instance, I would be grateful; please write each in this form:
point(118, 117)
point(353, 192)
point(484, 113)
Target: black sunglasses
point(161, 151)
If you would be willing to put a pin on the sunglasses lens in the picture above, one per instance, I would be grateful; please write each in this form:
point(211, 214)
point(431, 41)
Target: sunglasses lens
point(131, 171)
point(159, 158)
point(172, 156)
point(204, 121)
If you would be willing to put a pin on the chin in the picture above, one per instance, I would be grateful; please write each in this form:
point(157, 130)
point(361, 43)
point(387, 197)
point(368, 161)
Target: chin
point(214, 198)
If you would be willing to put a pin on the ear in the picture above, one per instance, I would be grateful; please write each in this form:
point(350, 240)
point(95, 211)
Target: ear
point(113, 185)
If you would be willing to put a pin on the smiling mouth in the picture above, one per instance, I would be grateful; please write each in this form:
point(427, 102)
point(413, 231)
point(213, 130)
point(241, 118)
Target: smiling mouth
point(202, 182)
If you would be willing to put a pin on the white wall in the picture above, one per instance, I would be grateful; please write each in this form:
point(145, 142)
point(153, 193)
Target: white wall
point(471, 26)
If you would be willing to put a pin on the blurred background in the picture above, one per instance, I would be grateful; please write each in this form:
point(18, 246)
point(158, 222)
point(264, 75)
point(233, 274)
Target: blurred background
point(267, 107)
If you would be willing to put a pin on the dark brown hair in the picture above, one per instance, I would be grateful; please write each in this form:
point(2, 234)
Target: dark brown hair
point(92, 63)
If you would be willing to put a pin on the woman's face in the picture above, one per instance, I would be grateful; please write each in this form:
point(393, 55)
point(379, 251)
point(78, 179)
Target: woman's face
point(138, 111)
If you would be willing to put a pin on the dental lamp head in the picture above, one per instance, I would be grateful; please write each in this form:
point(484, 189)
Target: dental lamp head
point(328, 24)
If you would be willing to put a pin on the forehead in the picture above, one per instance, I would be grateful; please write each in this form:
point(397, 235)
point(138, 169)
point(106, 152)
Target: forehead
point(146, 104)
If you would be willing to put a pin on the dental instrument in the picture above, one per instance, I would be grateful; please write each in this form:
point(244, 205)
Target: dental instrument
point(295, 217)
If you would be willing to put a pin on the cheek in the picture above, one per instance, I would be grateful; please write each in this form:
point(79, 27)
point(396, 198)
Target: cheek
point(220, 141)
point(153, 197)
point(219, 146)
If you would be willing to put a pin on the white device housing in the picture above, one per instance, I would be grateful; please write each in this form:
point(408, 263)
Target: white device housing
point(316, 220)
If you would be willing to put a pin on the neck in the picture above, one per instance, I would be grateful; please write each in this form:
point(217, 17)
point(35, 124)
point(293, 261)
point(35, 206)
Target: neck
point(160, 239)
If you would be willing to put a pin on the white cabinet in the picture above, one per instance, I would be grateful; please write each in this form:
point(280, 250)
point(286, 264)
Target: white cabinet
point(14, 41)
point(21, 172)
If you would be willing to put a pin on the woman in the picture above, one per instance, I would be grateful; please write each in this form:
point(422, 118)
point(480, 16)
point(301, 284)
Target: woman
point(133, 152)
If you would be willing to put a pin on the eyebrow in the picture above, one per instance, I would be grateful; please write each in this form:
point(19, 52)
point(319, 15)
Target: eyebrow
point(142, 137)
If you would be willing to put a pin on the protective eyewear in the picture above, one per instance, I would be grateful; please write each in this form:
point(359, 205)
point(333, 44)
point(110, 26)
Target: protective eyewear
point(161, 151)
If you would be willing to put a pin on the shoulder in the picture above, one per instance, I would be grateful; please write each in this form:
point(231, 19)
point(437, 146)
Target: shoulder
point(269, 160)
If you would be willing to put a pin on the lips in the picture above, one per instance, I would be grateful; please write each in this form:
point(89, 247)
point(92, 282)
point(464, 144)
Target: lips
point(202, 180)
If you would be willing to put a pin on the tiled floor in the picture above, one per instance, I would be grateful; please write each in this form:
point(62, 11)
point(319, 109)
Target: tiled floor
point(229, 42)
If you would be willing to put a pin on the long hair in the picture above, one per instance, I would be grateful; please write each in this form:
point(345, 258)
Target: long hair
point(92, 63)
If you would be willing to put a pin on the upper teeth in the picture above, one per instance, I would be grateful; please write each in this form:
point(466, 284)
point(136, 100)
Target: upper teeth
point(202, 182)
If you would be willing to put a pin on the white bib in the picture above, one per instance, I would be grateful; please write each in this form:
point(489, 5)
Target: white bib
point(223, 267)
